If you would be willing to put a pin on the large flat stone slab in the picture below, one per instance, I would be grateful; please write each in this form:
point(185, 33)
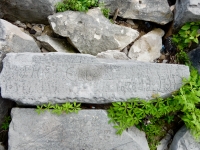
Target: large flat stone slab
point(29, 78)
point(87, 130)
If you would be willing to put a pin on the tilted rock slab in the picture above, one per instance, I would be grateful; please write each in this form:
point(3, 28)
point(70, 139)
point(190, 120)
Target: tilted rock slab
point(183, 140)
point(87, 130)
point(56, 44)
point(12, 39)
point(91, 32)
point(29, 78)
point(150, 10)
point(147, 47)
point(35, 11)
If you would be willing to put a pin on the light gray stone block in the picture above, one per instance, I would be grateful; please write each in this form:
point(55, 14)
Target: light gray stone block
point(87, 130)
point(30, 78)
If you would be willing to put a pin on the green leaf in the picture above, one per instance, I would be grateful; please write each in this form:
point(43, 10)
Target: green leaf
point(187, 41)
point(186, 26)
point(196, 40)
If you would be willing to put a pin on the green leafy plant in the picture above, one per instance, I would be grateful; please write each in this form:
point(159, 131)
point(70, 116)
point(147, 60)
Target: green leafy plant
point(81, 5)
point(187, 35)
point(5, 124)
point(76, 5)
point(104, 10)
point(59, 109)
point(152, 116)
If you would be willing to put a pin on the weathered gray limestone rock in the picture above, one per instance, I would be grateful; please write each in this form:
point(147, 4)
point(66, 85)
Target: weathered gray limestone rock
point(30, 78)
point(91, 32)
point(35, 11)
point(56, 44)
point(186, 11)
point(147, 47)
point(12, 39)
point(183, 140)
point(150, 10)
point(87, 130)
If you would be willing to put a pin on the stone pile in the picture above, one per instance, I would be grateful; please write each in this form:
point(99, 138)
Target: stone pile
point(36, 78)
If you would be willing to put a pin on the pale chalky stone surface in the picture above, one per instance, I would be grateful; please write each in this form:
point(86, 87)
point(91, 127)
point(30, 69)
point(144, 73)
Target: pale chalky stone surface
point(34, 79)
point(87, 130)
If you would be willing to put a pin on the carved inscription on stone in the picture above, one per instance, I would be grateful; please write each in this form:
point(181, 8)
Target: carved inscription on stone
point(58, 77)
point(87, 130)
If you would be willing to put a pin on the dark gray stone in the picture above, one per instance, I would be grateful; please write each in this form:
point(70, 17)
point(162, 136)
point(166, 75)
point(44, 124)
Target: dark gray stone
point(183, 140)
point(91, 32)
point(30, 78)
point(186, 11)
point(12, 39)
point(87, 130)
point(5, 107)
point(194, 57)
point(35, 11)
point(157, 11)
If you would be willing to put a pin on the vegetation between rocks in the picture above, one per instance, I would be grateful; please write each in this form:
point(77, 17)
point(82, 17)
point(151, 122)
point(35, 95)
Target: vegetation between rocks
point(59, 109)
point(81, 5)
point(187, 35)
point(153, 116)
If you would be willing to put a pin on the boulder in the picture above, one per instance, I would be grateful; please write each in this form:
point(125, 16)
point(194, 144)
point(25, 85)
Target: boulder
point(147, 47)
point(112, 54)
point(91, 32)
point(35, 11)
point(36, 78)
point(149, 10)
point(56, 44)
point(186, 11)
point(14, 40)
point(194, 57)
point(183, 140)
point(87, 130)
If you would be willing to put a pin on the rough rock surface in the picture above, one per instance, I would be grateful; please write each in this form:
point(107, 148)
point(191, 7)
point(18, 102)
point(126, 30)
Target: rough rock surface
point(31, 78)
point(35, 11)
point(147, 48)
point(112, 54)
point(56, 44)
point(91, 32)
point(183, 140)
point(194, 57)
point(186, 11)
point(12, 39)
point(89, 130)
point(150, 10)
